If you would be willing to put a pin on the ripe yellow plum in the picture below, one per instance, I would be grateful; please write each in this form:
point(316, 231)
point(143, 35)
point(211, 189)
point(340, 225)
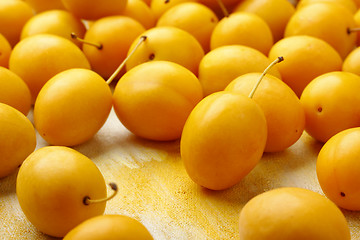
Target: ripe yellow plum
point(109, 227)
point(223, 64)
point(194, 18)
point(52, 185)
point(141, 12)
point(292, 213)
point(154, 99)
point(13, 16)
point(349, 4)
point(266, 9)
point(5, 51)
point(284, 113)
point(17, 139)
point(45, 5)
point(115, 34)
point(167, 44)
point(332, 104)
point(160, 6)
point(351, 62)
point(14, 91)
point(72, 107)
point(326, 21)
point(38, 58)
point(57, 22)
point(306, 58)
point(245, 29)
point(357, 22)
point(223, 139)
point(92, 10)
point(338, 168)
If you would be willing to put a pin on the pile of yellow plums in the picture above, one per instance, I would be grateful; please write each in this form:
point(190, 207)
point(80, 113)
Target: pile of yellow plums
point(230, 79)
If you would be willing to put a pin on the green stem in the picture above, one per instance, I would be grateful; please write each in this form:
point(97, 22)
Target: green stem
point(111, 78)
point(97, 45)
point(279, 59)
point(88, 201)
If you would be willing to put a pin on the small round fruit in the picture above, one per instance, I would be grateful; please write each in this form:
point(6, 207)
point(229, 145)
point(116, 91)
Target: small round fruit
point(17, 139)
point(266, 9)
point(115, 34)
point(352, 62)
point(306, 58)
point(349, 4)
point(292, 214)
point(326, 21)
point(192, 17)
point(223, 140)
point(338, 169)
point(14, 91)
point(45, 5)
point(92, 10)
point(51, 186)
point(57, 22)
point(109, 227)
point(5, 51)
point(332, 104)
point(284, 113)
point(72, 107)
point(357, 21)
point(242, 28)
point(158, 7)
point(38, 58)
point(13, 16)
point(223, 64)
point(141, 12)
point(167, 44)
point(154, 99)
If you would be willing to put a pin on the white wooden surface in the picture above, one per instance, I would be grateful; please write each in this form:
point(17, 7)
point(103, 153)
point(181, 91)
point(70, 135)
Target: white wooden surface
point(155, 189)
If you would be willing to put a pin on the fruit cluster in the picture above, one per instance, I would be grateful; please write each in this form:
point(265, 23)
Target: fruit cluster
point(231, 80)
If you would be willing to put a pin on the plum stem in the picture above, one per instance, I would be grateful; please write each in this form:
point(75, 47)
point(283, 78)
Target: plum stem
point(97, 45)
point(111, 78)
point(223, 8)
point(88, 201)
point(277, 60)
point(351, 30)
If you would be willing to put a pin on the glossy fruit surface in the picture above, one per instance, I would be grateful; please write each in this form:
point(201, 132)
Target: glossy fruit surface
point(242, 28)
point(45, 5)
point(315, 20)
point(222, 65)
point(266, 9)
point(72, 106)
point(338, 169)
point(110, 227)
point(332, 104)
point(223, 140)
point(351, 62)
point(17, 139)
point(57, 22)
point(38, 58)
point(194, 18)
point(167, 44)
point(306, 58)
point(92, 10)
point(284, 113)
point(14, 91)
point(14, 13)
point(51, 186)
point(5, 51)
point(292, 214)
point(115, 34)
point(154, 99)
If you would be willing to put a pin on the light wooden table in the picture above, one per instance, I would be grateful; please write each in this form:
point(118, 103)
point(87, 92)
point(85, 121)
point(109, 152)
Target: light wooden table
point(156, 190)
